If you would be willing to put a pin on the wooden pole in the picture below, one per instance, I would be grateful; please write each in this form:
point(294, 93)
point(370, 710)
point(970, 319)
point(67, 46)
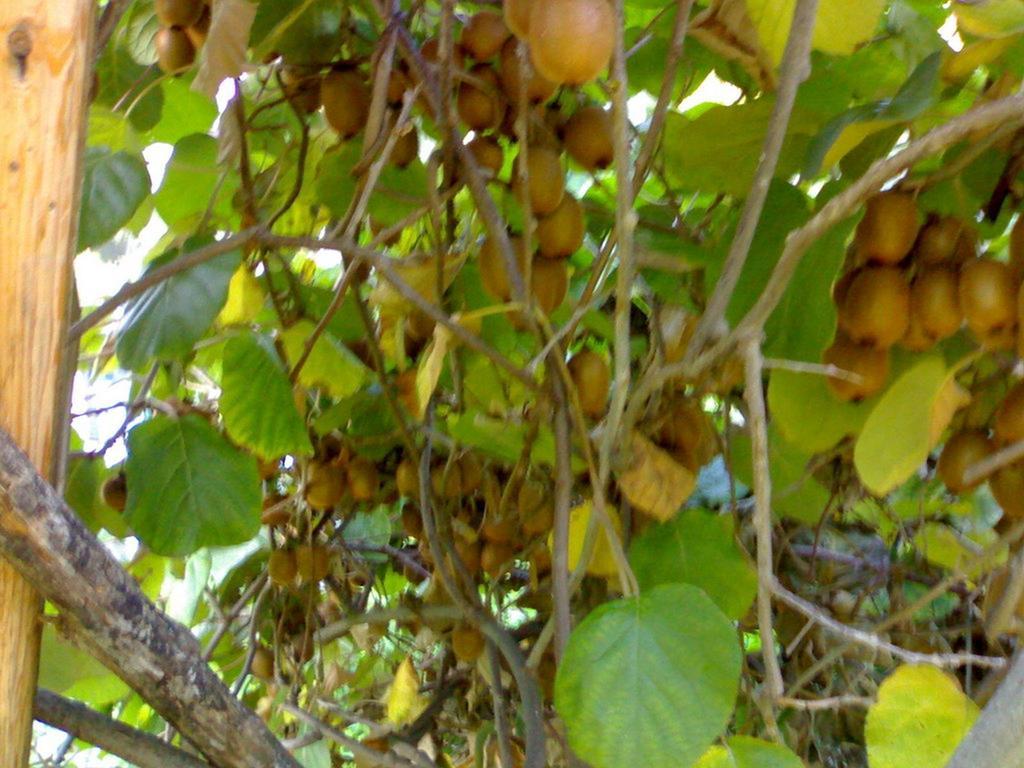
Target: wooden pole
point(44, 67)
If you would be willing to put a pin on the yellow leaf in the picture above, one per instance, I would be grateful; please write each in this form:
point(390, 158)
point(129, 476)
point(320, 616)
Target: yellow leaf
point(431, 365)
point(951, 398)
point(245, 299)
point(404, 702)
point(919, 719)
point(990, 18)
point(726, 29)
point(840, 28)
point(654, 482)
point(603, 562)
point(945, 547)
point(851, 136)
point(959, 66)
point(330, 365)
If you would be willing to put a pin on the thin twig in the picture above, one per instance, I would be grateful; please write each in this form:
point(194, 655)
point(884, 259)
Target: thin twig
point(992, 463)
point(365, 754)
point(833, 702)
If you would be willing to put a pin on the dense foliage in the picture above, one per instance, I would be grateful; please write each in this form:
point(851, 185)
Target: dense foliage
point(435, 358)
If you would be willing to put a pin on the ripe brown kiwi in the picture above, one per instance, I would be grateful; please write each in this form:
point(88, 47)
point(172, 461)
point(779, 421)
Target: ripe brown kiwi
point(961, 451)
point(431, 51)
point(876, 308)
point(1009, 418)
point(493, 274)
point(935, 302)
point(493, 556)
point(174, 50)
point(115, 492)
point(312, 563)
point(263, 664)
point(535, 507)
point(546, 179)
point(499, 530)
point(479, 101)
point(469, 553)
point(282, 567)
point(549, 282)
point(325, 485)
point(398, 84)
point(871, 365)
point(346, 99)
point(571, 41)
point(943, 239)
point(988, 296)
point(592, 378)
point(178, 13)
point(484, 34)
point(488, 154)
point(407, 147)
point(538, 88)
point(1007, 486)
point(302, 87)
point(363, 480)
point(467, 643)
point(587, 136)
point(470, 473)
point(889, 228)
point(916, 339)
point(687, 431)
point(199, 30)
point(561, 233)
point(446, 480)
point(407, 479)
point(517, 16)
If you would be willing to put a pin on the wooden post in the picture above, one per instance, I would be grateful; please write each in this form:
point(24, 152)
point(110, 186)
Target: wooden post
point(45, 50)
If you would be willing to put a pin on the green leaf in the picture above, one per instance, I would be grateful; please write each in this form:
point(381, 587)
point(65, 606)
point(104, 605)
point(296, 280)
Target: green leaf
point(369, 530)
point(698, 548)
point(167, 319)
point(256, 400)
point(185, 112)
point(303, 31)
point(991, 18)
point(331, 364)
point(188, 487)
point(82, 493)
point(919, 719)
point(113, 187)
point(65, 669)
point(748, 752)
point(896, 437)
point(629, 689)
point(191, 180)
point(840, 26)
point(807, 415)
point(185, 593)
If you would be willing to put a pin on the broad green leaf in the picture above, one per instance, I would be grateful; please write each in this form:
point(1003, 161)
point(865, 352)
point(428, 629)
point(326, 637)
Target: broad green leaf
point(301, 30)
point(944, 546)
point(748, 752)
point(185, 594)
point(128, 87)
point(990, 18)
point(113, 187)
point(257, 402)
point(807, 415)
point(185, 112)
point(840, 27)
point(897, 436)
point(918, 720)
point(697, 548)
point(82, 493)
point(628, 688)
point(65, 669)
point(167, 319)
point(191, 180)
point(188, 487)
point(316, 755)
point(331, 364)
point(369, 530)
point(503, 440)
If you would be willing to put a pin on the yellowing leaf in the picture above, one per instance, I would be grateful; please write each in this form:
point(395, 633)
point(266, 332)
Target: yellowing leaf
point(919, 719)
point(990, 18)
point(726, 28)
point(654, 482)
point(748, 752)
point(603, 562)
point(946, 548)
point(331, 365)
point(959, 66)
point(841, 25)
point(245, 299)
point(404, 702)
point(851, 136)
point(431, 365)
point(951, 398)
point(225, 52)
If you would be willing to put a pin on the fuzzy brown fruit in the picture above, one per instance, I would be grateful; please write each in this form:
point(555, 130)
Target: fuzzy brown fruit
point(1007, 486)
point(115, 492)
point(174, 50)
point(178, 13)
point(538, 88)
point(546, 179)
point(484, 34)
point(488, 154)
point(592, 379)
point(301, 86)
point(988, 296)
point(943, 239)
point(889, 228)
point(687, 431)
point(549, 283)
point(469, 553)
point(517, 16)
point(479, 102)
point(493, 274)
point(1009, 418)
point(935, 302)
point(467, 644)
point(312, 563)
point(560, 234)
point(869, 364)
point(499, 530)
point(407, 479)
point(263, 664)
point(536, 508)
point(962, 450)
point(407, 147)
point(494, 556)
point(325, 485)
point(470, 473)
point(282, 567)
point(346, 99)
point(571, 41)
point(876, 309)
point(200, 30)
point(587, 136)
point(363, 479)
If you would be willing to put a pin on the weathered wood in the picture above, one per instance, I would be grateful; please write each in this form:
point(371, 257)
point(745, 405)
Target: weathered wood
point(106, 612)
point(44, 67)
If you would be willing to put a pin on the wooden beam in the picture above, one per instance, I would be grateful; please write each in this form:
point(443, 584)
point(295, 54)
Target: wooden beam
point(44, 67)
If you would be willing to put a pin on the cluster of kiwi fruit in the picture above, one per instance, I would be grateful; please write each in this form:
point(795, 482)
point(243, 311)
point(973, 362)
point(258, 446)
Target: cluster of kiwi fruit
point(184, 25)
point(914, 286)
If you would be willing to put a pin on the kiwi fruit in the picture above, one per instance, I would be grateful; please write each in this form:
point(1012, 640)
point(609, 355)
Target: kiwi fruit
point(935, 302)
point(178, 13)
point(517, 16)
point(587, 137)
point(943, 239)
point(686, 430)
point(325, 485)
point(407, 479)
point(487, 153)
point(484, 34)
point(275, 513)
point(431, 52)
point(469, 553)
point(988, 296)
point(962, 450)
point(115, 492)
point(471, 474)
point(478, 101)
point(301, 86)
point(549, 283)
point(346, 99)
point(412, 523)
point(263, 664)
point(538, 88)
point(494, 556)
point(571, 41)
point(467, 643)
point(560, 234)
point(889, 228)
point(493, 273)
point(419, 326)
point(876, 308)
point(363, 479)
point(174, 50)
point(870, 364)
point(916, 339)
point(499, 530)
point(446, 480)
point(546, 179)
point(535, 507)
point(398, 84)
point(592, 378)
point(282, 567)
point(407, 147)
point(198, 31)
point(1009, 418)
point(1007, 486)
point(312, 563)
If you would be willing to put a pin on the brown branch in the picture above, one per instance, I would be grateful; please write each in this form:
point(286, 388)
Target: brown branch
point(107, 23)
point(104, 609)
point(136, 747)
point(563, 502)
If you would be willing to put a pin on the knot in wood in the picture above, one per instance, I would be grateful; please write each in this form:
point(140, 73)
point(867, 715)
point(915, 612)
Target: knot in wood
point(19, 41)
